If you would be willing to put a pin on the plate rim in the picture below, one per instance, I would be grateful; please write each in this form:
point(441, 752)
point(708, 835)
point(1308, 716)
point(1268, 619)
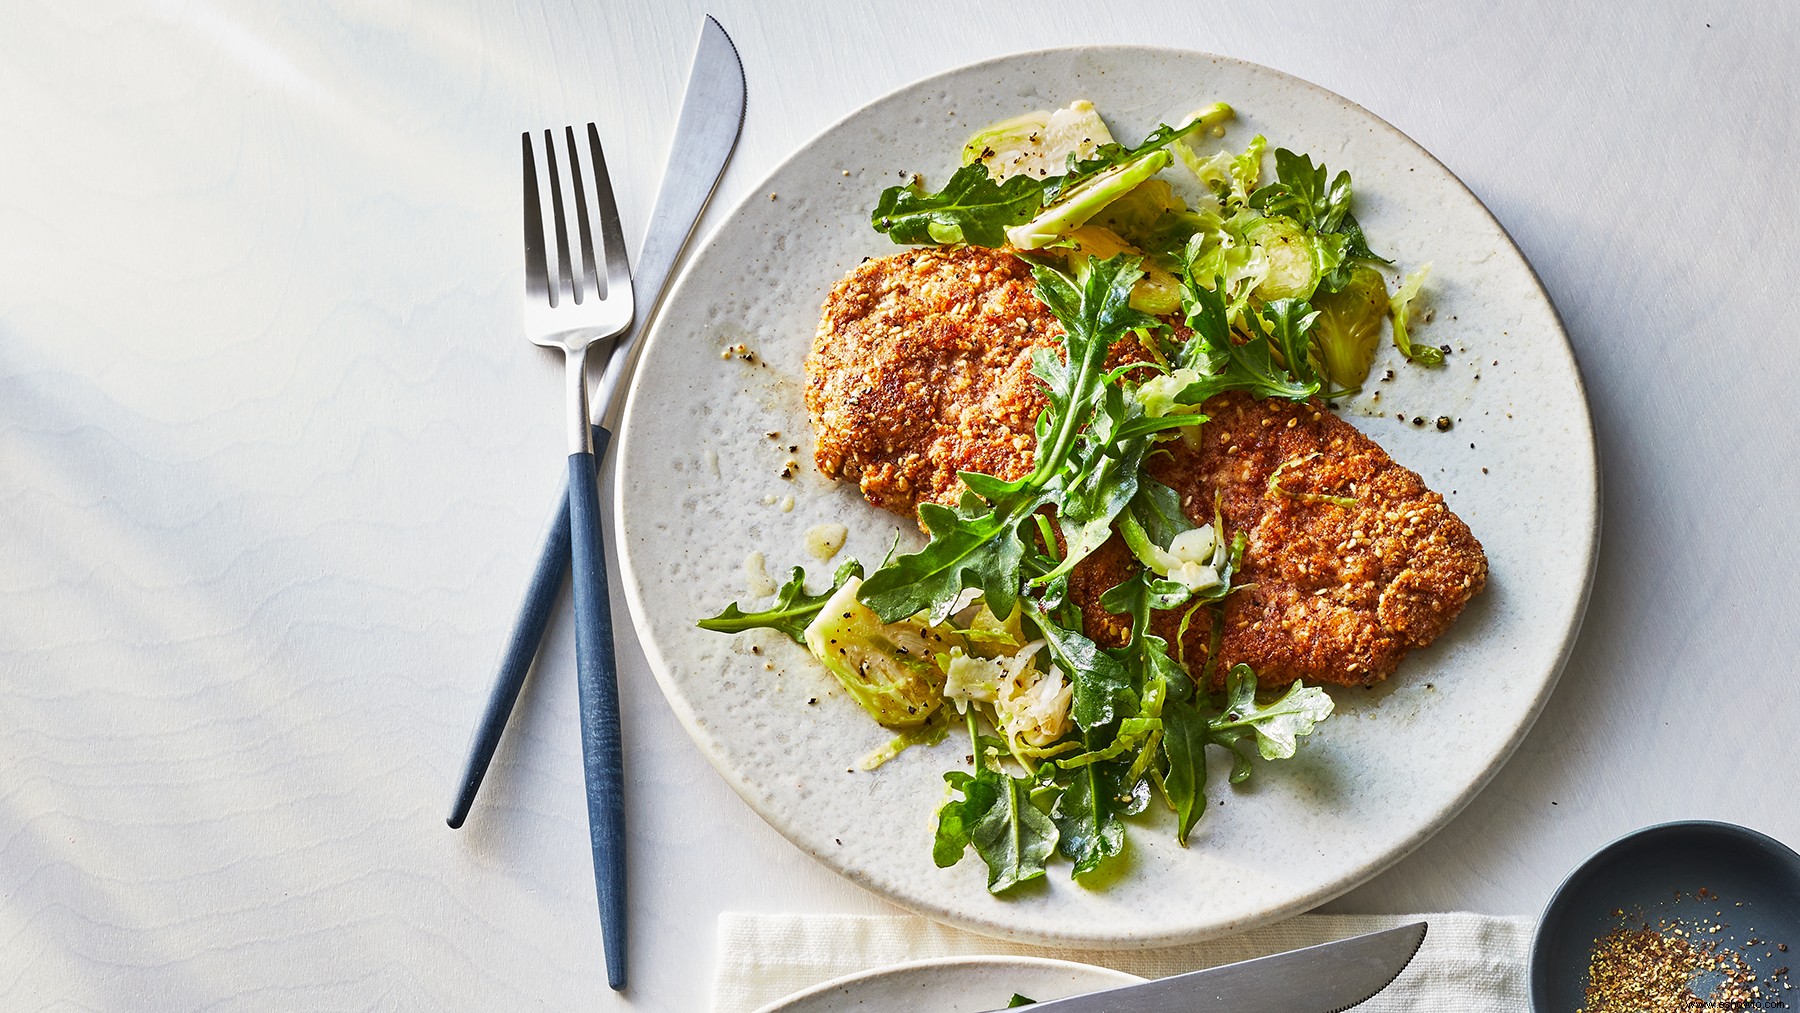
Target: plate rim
point(945, 963)
point(1585, 437)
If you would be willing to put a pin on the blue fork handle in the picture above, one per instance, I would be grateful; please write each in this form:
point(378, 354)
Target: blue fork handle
point(554, 554)
point(597, 678)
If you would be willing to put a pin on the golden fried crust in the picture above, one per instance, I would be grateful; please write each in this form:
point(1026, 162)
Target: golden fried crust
point(921, 369)
point(1339, 588)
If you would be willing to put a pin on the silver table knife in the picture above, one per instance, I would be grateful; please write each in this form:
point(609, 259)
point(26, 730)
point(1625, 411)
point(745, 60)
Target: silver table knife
point(712, 113)
point(1318, 979)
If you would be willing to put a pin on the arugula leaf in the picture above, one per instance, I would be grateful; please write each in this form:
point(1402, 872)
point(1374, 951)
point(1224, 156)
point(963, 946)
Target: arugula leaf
point(794, 608)
point(975, 208)
point(1101, 686)
point(997, 817)
point(1356, 246)
point(1018, 1000)
point(1157, 509)
point(977, 543)
point(1301, 193)
point(1102, 475)
point(1087, 820)
point(1012, 836)
point(971, 208)
point(957, 818)
point(1290, 323)
point(1094, 317)
point(1225, 365)
point(1279, 725)
point(1185, 737)
point(1146, 656)
point(972, 545)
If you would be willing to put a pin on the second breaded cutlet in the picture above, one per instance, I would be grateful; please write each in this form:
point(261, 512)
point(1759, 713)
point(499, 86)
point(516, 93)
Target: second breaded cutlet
point(921, 369)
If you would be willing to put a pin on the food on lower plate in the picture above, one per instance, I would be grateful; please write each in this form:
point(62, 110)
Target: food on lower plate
point(1105, 401)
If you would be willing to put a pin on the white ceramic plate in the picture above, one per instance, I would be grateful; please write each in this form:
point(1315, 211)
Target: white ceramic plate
point(701, 489)
point(953, 985)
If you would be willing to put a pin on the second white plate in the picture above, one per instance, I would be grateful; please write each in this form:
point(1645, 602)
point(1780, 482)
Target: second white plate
point(953, 985)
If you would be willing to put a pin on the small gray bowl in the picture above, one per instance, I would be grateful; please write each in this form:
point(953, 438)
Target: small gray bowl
point(1752, 885)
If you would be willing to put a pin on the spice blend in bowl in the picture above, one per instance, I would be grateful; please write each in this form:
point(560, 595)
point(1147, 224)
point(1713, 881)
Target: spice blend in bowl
point(1677, 967)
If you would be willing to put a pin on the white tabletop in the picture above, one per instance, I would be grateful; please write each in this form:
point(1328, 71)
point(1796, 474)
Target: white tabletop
point(275, 459)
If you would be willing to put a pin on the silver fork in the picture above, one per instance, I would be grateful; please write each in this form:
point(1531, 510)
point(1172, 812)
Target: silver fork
point(569, 306)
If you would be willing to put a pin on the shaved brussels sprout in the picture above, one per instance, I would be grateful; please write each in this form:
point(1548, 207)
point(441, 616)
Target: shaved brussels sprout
point(1293, 268)
point(1085, 199)
point(1133, 217)
point(1349, 326)
point(1229, 178)
point(1218, 165)
point(887, 667)
point(1399, 307)
point(1038, 144)
point(1157, 293)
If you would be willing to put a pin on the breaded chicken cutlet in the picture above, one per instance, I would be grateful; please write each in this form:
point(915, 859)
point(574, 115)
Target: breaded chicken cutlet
point(921, 369)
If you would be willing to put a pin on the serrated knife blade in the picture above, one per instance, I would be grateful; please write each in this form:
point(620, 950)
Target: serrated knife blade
point(1327, 978)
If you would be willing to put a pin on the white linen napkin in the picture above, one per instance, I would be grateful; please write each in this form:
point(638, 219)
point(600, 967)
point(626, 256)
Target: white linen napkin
point(1469, 964)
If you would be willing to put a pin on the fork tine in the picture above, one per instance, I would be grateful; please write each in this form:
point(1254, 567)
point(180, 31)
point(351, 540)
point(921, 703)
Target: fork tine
point(589, 273)
point(564, 261)
point(618, 266)
point(537, 273)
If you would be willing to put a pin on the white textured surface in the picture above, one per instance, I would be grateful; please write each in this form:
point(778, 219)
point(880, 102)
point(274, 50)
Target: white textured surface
point(1395, 763)
point(274, 461)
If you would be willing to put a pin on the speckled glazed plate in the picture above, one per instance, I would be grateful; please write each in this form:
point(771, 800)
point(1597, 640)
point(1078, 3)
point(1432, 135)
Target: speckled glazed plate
point(953, 985)
point(701, 488)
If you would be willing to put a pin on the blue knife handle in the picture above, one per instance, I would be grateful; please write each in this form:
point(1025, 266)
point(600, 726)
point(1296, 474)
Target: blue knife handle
point(597, 678)
point(521, 650)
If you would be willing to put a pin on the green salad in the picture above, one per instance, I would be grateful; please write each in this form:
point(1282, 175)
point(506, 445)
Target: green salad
point(1281, 298)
